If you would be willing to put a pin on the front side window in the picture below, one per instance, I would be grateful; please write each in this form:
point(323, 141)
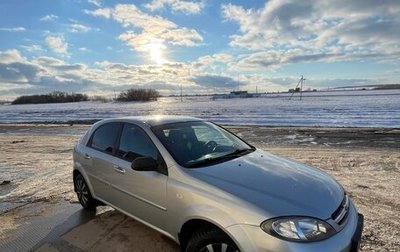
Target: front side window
point(135, 143)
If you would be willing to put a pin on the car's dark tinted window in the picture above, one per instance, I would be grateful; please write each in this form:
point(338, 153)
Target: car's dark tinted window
point(104, 137)
point(135, 143)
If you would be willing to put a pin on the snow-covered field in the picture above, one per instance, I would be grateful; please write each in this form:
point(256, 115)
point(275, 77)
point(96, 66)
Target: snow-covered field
point(378, 108)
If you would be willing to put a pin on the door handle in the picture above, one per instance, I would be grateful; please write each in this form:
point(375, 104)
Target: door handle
point(119, 169)
point(86, 156)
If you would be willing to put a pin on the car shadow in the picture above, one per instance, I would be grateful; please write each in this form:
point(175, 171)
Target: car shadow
point(105, 229)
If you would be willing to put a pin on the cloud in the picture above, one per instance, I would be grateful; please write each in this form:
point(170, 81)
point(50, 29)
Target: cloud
point(148, 29)
point(50, 17)
point(272, 59)
point(79, 28)
point(214, 59)
point(33, 48)
point(187, 7)
point(214, 64)
point(14, 68)
point(119, 73)
point(83, 49)
point(161, 86)
point(45, 74)
point(267, 84)
point(105, 12)
point(13, 29)
point(17, 72)
point(286, 32)
point(53, 64)
point(259, 59)
point(10, 56)
point(95, 2)
point(274, 84)
point(57, 44)
point(326, 83)
point(47, 61)
point(20, 75)
point(216, 81)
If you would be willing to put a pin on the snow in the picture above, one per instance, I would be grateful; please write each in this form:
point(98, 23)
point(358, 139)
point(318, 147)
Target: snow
point(377, 108)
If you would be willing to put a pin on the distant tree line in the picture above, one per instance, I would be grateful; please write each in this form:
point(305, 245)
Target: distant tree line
point(138, 95)
point(53, 97)
point(388, 86)
point(60, 97)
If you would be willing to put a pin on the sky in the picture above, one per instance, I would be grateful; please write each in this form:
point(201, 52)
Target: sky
point(100, 47)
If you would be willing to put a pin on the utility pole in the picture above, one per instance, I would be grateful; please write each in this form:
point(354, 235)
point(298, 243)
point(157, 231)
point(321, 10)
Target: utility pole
point(301, 81)
point(301, 87)
point(181, 94)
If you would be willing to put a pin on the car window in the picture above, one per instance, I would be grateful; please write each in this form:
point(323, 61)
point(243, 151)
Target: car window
point(104, 137)
point(191, 143)
point(204, 133)
point(135, 143)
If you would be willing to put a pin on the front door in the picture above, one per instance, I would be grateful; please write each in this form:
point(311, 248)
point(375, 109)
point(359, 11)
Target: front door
point(140, 193)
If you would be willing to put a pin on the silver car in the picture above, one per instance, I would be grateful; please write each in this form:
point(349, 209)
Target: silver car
point(208, 190)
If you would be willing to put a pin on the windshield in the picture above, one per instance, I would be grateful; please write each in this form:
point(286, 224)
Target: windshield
point(197, 144)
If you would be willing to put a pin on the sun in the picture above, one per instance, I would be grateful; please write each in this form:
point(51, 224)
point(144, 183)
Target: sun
point(156, 52)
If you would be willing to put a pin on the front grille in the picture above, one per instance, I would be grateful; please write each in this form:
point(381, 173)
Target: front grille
point(340, 214)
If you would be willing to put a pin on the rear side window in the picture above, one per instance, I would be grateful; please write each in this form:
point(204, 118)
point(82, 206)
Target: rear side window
point(104, 137)
point(135, 143)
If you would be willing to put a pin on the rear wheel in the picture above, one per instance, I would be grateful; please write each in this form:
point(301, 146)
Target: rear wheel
point(83, 193)
point(211, 240)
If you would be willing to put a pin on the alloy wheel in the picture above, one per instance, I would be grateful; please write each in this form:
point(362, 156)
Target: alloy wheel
point(82, 190)
point(218, 247)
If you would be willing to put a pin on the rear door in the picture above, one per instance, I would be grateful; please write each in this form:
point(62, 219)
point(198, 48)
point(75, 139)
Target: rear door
point(100, 153)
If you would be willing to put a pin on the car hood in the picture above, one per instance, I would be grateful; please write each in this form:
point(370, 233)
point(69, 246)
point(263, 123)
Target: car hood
point(280, 187)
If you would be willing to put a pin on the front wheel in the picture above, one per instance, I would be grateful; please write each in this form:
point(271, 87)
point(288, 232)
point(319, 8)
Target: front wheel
point(211, 240)
point(83, 193)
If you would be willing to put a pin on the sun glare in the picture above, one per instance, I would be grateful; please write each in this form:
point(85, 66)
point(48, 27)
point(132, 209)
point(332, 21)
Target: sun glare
point(156, 52)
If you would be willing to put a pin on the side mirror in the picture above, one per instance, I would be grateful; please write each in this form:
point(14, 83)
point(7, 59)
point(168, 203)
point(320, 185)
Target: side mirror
point(144, 164)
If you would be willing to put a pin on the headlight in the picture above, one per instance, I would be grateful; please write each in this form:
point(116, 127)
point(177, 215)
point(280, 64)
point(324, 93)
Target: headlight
point(300, 229)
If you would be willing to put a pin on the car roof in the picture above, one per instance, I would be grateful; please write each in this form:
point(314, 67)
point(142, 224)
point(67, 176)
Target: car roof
point(154, 120)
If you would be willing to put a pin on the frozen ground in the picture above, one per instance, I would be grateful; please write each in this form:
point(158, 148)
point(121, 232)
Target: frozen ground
point(379, 108)
point(37, 159)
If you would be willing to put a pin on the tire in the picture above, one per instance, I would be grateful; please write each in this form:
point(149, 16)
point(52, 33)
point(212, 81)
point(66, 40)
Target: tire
point(83, 193)
point(208, 240)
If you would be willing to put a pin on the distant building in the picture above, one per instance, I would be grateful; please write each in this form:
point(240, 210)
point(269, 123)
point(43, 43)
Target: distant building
point(236, 94)
point(292, 90)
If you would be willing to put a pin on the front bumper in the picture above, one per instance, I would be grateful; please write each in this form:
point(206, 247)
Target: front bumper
point(252, 238)
point(356, 239)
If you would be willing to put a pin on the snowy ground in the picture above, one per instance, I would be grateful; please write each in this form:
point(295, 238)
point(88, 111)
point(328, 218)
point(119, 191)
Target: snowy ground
point(37, 159)
point(379, 108)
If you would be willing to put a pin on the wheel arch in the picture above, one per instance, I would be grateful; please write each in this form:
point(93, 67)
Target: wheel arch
point(191, 226)
point(78, 171)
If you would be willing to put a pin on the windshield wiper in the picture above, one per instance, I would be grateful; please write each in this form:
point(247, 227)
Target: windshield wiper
point(229, 156)
point(240, 152)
